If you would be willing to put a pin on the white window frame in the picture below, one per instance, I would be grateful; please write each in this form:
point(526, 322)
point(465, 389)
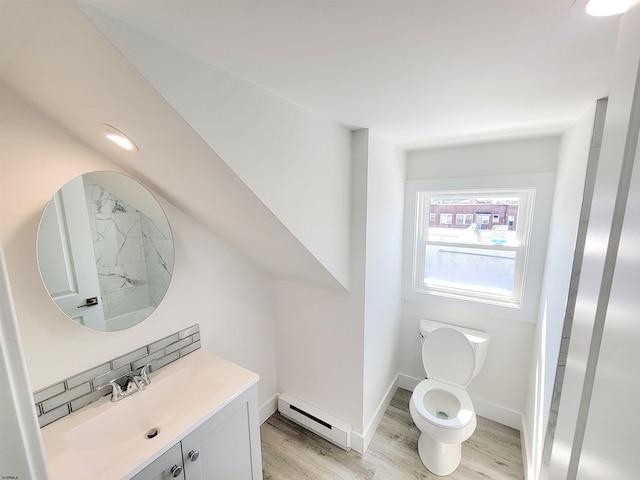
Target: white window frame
point(520, 246)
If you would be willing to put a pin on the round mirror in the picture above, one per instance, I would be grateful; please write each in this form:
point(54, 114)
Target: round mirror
point(105, 251)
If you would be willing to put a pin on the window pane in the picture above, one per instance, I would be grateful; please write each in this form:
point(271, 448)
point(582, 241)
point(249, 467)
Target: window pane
point(478, 219)
point(479, 269)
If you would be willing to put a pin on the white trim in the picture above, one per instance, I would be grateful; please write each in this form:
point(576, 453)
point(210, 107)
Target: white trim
point(20, 400)
point(497, 413)
point(357, 442)
point(372, 427)
point(268, 408)
point(519, 245)
point(529, 470)
point(407, 382)
point(539, 228)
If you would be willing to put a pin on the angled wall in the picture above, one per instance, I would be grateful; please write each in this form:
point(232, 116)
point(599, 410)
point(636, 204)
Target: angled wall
point(295, 161)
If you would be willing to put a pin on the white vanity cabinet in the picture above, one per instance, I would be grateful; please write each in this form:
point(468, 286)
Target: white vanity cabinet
point(167, 466)
point(200, 403)
point(225, 447)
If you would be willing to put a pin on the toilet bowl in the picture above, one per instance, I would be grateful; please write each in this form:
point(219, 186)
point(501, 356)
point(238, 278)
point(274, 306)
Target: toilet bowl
point(440, 406)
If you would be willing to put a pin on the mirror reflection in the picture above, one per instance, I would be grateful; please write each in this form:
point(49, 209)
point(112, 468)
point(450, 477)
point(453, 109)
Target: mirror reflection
point(105, 251)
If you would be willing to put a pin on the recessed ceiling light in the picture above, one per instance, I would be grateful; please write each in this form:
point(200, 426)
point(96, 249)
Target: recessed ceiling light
point(120, 139)
point(606, 8)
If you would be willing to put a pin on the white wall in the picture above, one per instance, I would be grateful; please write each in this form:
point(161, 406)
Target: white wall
point(565, 216)
point(320, 332)
point(601, 383)
point(385, 166)
point(509, 157)
point(212, 284)
point(269, 142)
point(337, 351)
point(500, 390)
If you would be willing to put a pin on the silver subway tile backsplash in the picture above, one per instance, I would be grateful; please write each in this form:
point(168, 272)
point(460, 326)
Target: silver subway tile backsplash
point(129, 357)
point(48, 392)
point(71, 394)
point(114, 374)
point(60, 399)
point(189, 331)
point(166, 360)
point(189, 348)
point(150, 360)
point(88, 375)
point(178, 345)
point(160, 344)
point(53, 415)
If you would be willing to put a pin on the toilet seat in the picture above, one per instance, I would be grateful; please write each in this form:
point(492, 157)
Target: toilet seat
point(448, 356)
point(465, 415)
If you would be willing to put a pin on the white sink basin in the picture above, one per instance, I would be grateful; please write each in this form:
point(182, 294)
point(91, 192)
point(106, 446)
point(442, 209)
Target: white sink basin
point(107, 440)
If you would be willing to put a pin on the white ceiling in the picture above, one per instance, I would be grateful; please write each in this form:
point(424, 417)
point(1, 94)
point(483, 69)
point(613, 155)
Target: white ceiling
point(418, 72)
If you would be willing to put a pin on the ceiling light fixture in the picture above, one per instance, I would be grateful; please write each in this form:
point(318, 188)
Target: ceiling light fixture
point(606, 8)
point(120, 139)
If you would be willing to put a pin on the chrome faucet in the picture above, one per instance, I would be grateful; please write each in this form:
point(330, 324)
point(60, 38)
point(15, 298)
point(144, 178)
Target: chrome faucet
point(133, 383)
point(138, 381)
point(116, 390)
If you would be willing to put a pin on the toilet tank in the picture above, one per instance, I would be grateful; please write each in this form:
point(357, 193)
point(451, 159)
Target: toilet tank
point(479, 340)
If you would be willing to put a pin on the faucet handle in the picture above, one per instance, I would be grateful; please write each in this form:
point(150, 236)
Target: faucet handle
point(116, 390)
point(144, 372)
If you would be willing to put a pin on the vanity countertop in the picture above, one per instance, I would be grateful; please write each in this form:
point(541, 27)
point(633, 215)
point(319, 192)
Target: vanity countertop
point(107, 440)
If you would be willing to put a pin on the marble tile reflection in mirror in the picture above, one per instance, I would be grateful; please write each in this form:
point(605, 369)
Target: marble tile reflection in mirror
point(130, 240)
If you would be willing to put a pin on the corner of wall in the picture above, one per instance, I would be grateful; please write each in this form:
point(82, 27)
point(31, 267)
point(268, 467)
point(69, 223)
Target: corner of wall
point(22, 453)
point(268, 408)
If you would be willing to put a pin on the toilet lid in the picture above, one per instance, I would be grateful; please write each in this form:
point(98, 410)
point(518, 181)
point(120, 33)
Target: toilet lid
point(448, 356)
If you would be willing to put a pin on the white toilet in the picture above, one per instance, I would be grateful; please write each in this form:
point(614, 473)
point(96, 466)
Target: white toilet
point(440, 406)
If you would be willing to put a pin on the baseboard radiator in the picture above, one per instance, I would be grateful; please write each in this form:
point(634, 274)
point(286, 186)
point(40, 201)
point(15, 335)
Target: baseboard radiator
point(321, 423)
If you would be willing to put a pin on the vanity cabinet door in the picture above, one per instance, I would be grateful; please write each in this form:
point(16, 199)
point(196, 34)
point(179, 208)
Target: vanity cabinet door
point(166, 467)
point(226, 447)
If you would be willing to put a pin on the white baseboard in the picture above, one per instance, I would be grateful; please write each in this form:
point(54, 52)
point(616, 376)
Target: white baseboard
point(268, 408)
point(526, 455)
point(407, 382)
point(359, 442)
point(497, 413)
point(371, 428)
point(489, 410)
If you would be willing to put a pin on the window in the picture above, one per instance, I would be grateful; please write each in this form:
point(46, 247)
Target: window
point(464, 219)
point(482, 256)
point(446, 218)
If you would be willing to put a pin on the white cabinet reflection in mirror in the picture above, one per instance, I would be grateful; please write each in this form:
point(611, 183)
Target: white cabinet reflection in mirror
point(105, 251)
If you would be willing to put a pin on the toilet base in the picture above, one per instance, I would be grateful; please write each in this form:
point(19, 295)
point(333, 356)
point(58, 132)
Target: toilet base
point(440, 458)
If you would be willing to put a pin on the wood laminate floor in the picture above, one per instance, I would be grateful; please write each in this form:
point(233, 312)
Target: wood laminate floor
point(289, 452)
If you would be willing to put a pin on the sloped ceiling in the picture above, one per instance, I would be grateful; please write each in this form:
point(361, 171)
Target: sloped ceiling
point(417, 72)
point(53, 56)
point(427, 72)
